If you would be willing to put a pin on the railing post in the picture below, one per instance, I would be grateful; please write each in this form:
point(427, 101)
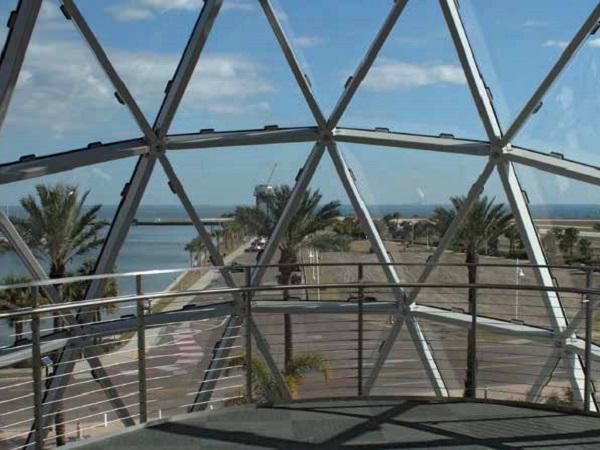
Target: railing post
point(141, 343)
point(247, 299)
point(588, 344)
point(471, 388)
point(287, 334)
point(36, 361)
point(361, 297)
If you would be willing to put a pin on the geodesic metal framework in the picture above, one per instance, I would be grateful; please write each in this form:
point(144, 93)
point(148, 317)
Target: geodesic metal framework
point(156, 143)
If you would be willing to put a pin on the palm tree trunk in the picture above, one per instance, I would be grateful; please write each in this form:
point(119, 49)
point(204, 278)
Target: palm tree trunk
point(287, 337)
point(285, 273)
point(18, 329)
point(471, 376)
point(59, 415)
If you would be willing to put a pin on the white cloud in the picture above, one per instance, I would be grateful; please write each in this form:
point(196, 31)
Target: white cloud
point(566, 98)
point(129, 13)
point(133, 10)
point(51, 18)
point(49, 11)
point(231, 109)
point(389, 74)
point(594, 42)
point(60, 83)
point(165, 5)
point(308, 41)
point(281, 14)
point(237, 5)
point(217, 76)
point(555, 43)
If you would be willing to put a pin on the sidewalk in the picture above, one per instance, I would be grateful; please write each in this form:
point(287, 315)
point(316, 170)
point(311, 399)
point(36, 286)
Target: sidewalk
point(129, 350)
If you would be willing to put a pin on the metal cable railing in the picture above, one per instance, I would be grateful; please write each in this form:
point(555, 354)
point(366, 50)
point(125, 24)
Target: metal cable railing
point(205, 349)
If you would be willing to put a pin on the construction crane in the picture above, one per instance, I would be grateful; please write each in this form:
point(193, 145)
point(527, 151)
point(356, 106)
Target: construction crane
point(262, 192)
point(271, 174)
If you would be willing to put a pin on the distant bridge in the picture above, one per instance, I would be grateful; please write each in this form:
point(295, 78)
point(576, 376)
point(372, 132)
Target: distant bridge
point(211, 221)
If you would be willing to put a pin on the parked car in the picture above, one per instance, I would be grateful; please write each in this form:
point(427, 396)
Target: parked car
point(257, 245)
point(236, 267)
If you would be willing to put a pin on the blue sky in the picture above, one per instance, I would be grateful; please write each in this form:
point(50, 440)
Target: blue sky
point(63, 100)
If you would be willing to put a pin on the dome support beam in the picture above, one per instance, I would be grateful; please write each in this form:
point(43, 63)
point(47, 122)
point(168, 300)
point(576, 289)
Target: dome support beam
point(21, 23)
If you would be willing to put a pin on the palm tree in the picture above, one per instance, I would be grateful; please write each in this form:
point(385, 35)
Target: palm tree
point(218, 235)
point(264, 388)
point(253, 221)
point(486, 222)
point(231, 232)
point(349, 226)
point(11, 299)
point(568, 240)
point(195, 247)
point(58, 228)
point(551, 248)
point(76, 291)
point(514, 239)
point(329, 241)
point(424, 228)
point(585, 249)
point(309, 219)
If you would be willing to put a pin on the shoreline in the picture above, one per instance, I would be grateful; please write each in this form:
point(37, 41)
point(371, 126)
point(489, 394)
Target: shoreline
point(205, 277)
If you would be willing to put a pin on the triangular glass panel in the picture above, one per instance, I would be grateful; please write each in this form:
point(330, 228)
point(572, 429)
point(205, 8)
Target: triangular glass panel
point(331, 40)
point(405, 203)
point(144, 41)
point(162, 237)
point(344, 242)
point(507, 261)
point(498, 256)
point(516, 44)
point(164, 229)
point(242, 80)
point(60, 83)
point(157, 240)
point(558, 393)
point(417, 84)
point(102, 183)
point(20, 387)
point(501, 377)
point(564, 123)
point(315, 337)
point(402, 372)
point(567, 230)
point(183, 353)
point(13, 271)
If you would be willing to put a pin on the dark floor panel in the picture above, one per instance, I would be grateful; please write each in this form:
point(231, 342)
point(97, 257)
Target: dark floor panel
point(365, 424)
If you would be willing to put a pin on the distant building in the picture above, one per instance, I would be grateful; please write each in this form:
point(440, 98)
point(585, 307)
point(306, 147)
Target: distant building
point(262, 193)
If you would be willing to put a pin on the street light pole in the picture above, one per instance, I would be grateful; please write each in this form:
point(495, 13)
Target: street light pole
point(517, 290)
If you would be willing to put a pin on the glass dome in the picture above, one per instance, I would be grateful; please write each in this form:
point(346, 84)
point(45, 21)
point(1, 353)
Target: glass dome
point(170, 111)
